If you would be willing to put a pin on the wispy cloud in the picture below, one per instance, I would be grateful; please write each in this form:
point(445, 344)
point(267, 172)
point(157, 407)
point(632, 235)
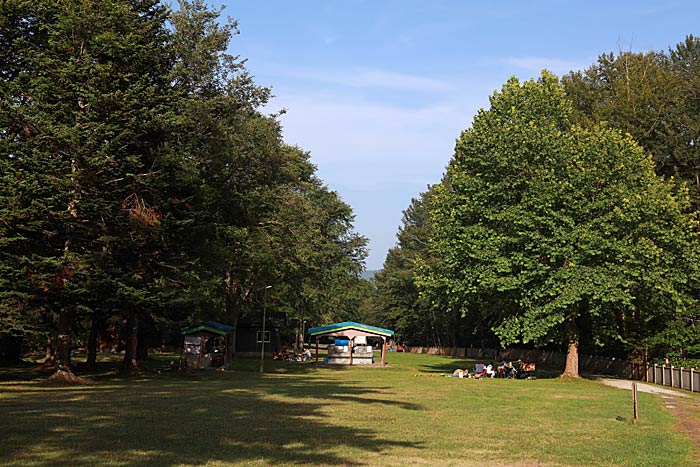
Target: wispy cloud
point(365, 78)
point(657, 9)
point(338, 129)
point(536, 64)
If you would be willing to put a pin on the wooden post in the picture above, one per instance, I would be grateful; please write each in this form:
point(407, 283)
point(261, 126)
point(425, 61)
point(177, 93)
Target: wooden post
point(692, 382)
point(634, 400)
point(692, 389)
point(316, 349)
point(680, 385)
point(653, 375)
point(671, 375)
point(383, 350)
point(663, 375)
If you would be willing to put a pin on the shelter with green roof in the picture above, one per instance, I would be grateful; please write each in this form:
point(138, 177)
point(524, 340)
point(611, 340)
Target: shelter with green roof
point(207, 345)
point(357, 351)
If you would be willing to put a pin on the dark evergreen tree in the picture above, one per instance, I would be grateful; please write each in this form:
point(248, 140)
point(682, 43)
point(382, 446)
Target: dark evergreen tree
point(85, 83)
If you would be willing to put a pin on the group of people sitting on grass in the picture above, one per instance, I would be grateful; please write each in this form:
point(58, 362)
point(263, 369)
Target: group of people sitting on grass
point(515, 369)
point(291, 356)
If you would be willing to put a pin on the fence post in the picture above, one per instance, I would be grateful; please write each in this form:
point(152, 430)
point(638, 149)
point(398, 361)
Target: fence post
point(663, 375)
point(692, 380)
point(646, 372)
point(634, 402)
point(653, 375)
point(671, 375)
point(680, 385)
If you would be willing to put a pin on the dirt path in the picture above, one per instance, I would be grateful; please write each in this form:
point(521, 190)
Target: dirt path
point(642, 387)
point(685, 407)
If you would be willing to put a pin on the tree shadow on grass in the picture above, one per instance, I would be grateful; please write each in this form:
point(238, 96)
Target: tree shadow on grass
point(449, 364)
point(19, 371)
point(228, 417)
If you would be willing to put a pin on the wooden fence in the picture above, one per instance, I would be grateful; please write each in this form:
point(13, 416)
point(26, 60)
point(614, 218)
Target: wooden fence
point(682, 378)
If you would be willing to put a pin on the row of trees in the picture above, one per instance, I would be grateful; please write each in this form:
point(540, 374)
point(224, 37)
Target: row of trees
point(568, 216)
point(140, 183)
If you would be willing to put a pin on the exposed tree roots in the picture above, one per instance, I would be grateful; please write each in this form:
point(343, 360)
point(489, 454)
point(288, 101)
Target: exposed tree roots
point(568, 377)
point(65, 378)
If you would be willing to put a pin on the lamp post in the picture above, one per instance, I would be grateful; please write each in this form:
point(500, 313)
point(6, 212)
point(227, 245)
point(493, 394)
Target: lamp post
point(262, 343)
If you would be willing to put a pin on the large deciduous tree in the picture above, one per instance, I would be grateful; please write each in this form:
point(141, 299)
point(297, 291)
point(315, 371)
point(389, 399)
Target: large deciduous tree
point(555, 233)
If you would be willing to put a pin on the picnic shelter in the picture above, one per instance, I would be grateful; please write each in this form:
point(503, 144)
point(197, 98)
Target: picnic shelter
point(351, 331)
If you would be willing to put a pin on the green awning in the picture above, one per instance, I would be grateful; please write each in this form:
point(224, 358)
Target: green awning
point(349, 325)
point(210, 326)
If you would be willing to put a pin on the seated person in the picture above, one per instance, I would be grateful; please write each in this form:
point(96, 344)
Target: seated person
point(502, 369)
point(459, 373)
point(490, 372)
point(527, 370)
point(479, 370)
point(305, 355)
point(509, 370)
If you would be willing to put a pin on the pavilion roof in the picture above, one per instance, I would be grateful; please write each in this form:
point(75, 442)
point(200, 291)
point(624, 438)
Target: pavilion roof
point(358, 328)
point(211, 326)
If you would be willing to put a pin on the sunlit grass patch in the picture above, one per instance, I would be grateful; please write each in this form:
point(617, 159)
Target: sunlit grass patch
point(403, 415)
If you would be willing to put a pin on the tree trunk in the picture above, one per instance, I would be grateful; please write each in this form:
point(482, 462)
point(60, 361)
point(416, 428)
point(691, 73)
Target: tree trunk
point(91, 361)
point(62, 368)
point(129, 365)
point(142, 345)
point(234, 323)
point(299, 341)
point(63, 341)
point(230, 312)
point(571, 369)
point(49, 350)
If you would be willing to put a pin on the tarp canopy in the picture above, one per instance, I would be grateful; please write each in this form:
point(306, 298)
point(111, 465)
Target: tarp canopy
point(349, 329)
point(211, 326)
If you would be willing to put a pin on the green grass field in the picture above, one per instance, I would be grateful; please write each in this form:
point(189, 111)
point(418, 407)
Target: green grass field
point(297, 414)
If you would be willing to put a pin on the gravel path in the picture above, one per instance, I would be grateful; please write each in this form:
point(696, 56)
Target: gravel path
point(642, 387)
point(686, 409)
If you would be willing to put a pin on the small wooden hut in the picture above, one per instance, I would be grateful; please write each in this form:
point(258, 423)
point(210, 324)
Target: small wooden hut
point(207, 345)
point(354, 349)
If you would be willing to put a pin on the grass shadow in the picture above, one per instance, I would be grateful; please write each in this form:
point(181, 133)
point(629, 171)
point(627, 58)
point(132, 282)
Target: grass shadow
point(446, 365)
point(236, 417)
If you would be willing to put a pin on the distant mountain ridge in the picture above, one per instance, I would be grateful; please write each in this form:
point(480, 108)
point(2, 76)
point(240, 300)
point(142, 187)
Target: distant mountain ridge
point(369, 274)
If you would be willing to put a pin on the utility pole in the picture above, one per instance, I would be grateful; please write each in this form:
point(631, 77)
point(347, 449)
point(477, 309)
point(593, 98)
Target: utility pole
point(262, 344)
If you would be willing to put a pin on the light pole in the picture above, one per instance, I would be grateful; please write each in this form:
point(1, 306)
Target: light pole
point(262, 343)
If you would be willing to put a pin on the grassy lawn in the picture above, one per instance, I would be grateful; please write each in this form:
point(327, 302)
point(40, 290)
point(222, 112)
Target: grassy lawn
point(297, 414)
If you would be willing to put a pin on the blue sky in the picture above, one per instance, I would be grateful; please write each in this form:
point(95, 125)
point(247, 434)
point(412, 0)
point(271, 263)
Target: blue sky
point(378, 91)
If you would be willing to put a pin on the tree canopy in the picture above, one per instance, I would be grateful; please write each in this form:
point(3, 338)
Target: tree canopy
point(546, 229)
point(143, 186)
